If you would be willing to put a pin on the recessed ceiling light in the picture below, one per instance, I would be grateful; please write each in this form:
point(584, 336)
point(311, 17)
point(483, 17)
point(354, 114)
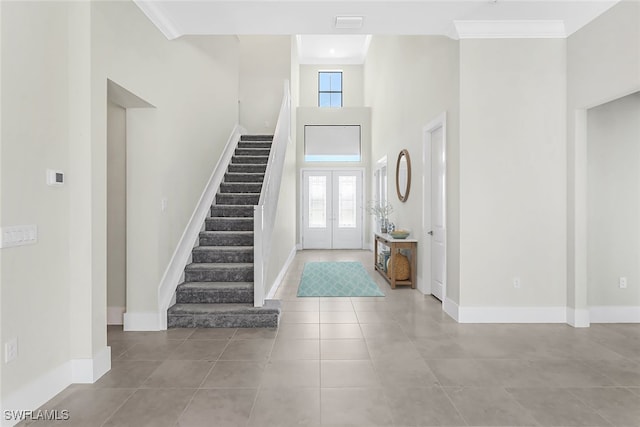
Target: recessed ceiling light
point(349, 22)
point(332, 51)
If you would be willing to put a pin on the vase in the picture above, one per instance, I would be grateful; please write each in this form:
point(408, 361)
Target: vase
point(383, 226)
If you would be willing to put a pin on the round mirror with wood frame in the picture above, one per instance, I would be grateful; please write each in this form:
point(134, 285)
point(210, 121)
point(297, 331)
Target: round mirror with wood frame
point(403, 175)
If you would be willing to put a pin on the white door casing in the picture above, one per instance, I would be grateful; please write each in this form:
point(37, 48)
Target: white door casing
point(434, 209)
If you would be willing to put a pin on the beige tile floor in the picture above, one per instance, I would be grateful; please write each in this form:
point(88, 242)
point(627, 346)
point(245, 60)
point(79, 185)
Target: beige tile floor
point(394, 360)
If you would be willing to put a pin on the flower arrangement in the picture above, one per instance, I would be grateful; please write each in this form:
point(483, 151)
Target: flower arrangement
point(381, 211)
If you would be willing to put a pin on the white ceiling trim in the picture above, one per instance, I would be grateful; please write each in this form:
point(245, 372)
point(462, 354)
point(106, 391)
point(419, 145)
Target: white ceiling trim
point(159, 17)
point(513, 29)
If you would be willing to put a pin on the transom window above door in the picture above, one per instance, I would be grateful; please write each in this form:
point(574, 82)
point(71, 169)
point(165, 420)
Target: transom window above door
point(330, 89)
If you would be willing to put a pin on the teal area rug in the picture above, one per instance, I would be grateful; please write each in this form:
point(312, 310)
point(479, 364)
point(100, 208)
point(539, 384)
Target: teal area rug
point(337, 279)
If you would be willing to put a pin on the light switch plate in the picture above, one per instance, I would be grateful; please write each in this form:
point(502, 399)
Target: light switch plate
point(11, 350)
point(18, 235)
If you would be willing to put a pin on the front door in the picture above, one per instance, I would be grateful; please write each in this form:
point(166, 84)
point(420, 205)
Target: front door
point(332, 209)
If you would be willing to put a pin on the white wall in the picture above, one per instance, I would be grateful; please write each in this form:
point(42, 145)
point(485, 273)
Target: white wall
point(512, 173)
point(265, 62)
point(172, 148)
point(335, 116)
point(613, 197)
point(34, 278)
point(603, 64)
point(284, 231)
point(54, 79)
point(409, 81)
point(352, 84)
point(116, 206)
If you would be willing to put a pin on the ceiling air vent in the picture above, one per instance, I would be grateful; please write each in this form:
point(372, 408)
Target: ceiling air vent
point(349, 22)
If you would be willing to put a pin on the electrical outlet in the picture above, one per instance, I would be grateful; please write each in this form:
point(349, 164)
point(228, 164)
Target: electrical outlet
point(11, 350)
point(516, 282)
point(622, 282)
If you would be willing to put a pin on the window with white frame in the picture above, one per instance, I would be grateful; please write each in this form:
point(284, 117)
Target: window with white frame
point(330, 89)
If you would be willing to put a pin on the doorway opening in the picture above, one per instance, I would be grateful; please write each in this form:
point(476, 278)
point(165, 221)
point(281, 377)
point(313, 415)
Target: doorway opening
point(119, 101)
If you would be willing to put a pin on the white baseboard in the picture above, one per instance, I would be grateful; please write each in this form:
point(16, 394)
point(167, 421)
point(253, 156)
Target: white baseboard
point(512, 314)
point(115, 315)
point(424, 287)
point(37, 392)
point(615, 314)
point(88, 371)
point(578, 318)
point(143, 322)
point(278, 281)
point(451, 308)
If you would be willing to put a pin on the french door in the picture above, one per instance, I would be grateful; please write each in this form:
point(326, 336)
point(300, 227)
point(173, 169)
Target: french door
point(332, 209)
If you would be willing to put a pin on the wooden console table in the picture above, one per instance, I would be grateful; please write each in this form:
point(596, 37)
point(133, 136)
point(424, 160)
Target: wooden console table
point(395, 245)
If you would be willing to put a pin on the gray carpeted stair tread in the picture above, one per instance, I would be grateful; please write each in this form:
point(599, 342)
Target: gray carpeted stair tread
point(241, 187)
point(255, 144)
point(243, 177)
point(237, 198)
point(249, 160)
point(250, 168)
point(220, 308)
point(214, 292)
point(230, 211)
point(223, 248)
point(252, 151)
point(226, 233)
point(229, 223)
point(256, 138)
point(209, 266)
point(215, 285)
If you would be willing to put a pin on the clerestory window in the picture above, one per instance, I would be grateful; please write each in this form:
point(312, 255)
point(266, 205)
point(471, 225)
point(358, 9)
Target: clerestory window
point(330, 89)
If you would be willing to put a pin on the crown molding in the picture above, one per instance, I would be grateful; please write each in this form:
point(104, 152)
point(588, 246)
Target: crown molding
point(154, 12)
point(522, 29)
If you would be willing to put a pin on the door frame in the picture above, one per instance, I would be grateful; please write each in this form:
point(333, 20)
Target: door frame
point(301, 199)
point(425, 284)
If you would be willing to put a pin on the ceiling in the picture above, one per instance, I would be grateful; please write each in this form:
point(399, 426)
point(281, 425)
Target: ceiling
point(313, 18)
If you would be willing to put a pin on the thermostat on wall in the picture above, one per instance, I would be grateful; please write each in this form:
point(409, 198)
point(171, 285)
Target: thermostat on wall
point(55, 178)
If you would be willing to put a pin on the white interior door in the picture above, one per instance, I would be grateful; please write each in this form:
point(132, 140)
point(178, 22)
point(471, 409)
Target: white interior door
point(435, 264)
point(332, 213)
point(438, 243)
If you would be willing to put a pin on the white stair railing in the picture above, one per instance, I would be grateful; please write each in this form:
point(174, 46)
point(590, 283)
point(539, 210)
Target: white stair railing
point(264, 214)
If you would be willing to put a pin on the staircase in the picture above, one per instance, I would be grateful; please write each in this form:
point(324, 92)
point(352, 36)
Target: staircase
point(218, 285)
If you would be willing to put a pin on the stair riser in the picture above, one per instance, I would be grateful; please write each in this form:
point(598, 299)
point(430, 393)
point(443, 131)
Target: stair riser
point(223, 296)
point(235, 168)
point(232, 177)
point(226, 240)
point(252, 151)
point(222, 256)
point(252, 160)
point(241, 187)
point(253, 144)
point(231, 211)
point(256, 138)
point(229, 224)
point(240, 275)
point(223, 321)
point(237, 199)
